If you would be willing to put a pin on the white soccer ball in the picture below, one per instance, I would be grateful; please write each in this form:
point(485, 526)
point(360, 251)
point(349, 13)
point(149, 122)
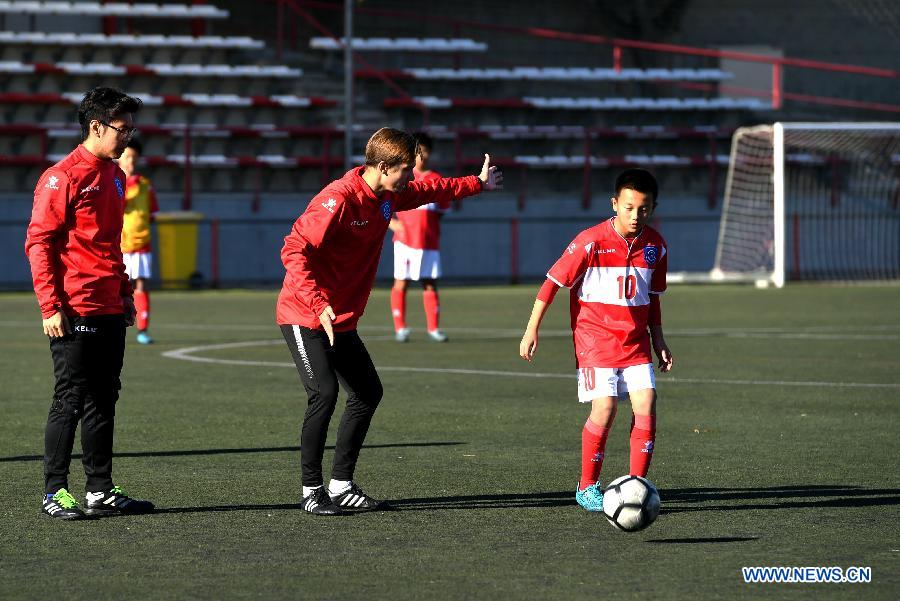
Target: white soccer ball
point(630, 503)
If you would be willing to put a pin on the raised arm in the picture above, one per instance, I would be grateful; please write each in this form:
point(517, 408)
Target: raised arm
point(447, 189)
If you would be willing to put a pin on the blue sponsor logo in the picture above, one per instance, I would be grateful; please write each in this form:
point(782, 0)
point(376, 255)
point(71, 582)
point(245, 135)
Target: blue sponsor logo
point(119, 190)
point(386, 210)
point(651, 253)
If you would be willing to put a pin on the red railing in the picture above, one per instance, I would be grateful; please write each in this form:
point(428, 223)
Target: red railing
point(327, 162)
point(617, 44)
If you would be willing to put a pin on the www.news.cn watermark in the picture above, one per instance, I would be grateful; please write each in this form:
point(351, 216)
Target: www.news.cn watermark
point(800, 575)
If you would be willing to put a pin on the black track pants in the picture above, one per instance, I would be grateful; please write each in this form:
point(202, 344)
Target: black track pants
point(86, 363)
point(321, 368)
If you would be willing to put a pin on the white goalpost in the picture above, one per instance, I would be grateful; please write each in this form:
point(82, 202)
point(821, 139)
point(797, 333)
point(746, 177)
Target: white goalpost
point(811, 201)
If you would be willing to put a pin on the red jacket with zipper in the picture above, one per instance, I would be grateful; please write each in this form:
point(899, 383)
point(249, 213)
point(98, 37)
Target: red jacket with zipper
point(332, 252)
point(73, 240)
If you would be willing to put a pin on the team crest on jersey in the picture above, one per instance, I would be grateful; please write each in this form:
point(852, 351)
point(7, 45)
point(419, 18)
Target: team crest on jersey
point(119, 190)
point(651, 253)
point(386, 210)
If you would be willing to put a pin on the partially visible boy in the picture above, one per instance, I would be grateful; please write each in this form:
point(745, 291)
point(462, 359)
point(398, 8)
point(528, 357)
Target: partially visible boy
point(140, 207)
point(417, 250)
point(616, 271)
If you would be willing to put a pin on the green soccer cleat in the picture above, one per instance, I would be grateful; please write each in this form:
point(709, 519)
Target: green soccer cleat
point(591, 497)
point(62, 506)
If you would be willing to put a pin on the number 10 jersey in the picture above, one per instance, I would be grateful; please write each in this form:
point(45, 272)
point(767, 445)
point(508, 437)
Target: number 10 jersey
point(611, 279)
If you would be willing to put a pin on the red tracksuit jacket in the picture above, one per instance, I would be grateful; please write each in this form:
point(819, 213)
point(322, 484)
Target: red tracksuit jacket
point(73, 240)
point(332, 252)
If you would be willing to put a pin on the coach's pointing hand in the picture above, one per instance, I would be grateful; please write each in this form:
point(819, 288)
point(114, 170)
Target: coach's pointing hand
point(491, 177)
point(327, 317)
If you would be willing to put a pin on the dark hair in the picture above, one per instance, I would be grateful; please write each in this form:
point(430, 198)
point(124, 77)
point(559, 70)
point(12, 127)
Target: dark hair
point(392, 146)
point(105, 104)
point(135, 144)
point(424, 140)
point(639, 180)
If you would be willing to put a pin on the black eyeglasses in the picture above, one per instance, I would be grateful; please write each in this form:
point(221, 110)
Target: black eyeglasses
point(128, 133)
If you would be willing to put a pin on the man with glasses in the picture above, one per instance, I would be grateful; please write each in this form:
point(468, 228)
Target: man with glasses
point(73, 246)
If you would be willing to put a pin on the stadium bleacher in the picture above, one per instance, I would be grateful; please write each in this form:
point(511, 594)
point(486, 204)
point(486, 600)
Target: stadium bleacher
point(241, 110)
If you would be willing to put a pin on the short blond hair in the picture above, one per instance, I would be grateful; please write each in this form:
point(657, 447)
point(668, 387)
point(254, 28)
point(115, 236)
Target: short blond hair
point(392, 146)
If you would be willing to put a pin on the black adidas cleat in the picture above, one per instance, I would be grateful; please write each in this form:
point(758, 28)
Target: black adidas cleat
point(114, 502)
point(62, 506)
point(319, 503)
point(354, 499)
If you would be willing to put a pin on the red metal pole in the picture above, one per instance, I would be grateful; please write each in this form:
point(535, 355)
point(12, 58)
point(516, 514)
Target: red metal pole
point(514, 250)
point(214, 251)
point(198, 26)
point(617, 58)
point(776, 86)
point(186, 199)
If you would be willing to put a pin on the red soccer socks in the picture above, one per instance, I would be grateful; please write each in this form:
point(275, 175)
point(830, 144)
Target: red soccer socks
point(432, 309)
point(643, 436)
point(398, 308)
point(593, 445)
point(142, 307)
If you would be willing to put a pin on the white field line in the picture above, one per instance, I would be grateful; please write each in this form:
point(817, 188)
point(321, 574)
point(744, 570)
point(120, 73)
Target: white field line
point(882, 332)
point(190, 354)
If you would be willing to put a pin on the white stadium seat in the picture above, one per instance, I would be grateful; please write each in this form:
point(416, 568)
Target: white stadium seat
point(400, 44)
point(116, 9)
point(140, 41)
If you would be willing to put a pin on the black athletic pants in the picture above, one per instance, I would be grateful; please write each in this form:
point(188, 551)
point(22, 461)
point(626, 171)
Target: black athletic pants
point(86, 363)
point(321, 368)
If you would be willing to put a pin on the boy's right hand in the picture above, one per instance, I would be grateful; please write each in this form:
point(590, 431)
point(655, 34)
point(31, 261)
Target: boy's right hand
point(528, 346)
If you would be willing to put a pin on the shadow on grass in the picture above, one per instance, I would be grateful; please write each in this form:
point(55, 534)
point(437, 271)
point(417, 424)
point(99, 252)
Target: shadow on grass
point(695, 541)
point(191, 452)
point(681, 500)
point(674, 501)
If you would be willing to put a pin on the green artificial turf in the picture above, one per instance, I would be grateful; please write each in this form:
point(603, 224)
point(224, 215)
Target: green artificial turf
point(777, 446)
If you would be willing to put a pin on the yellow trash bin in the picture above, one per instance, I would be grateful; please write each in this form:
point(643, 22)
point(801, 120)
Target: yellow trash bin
point(177, 243)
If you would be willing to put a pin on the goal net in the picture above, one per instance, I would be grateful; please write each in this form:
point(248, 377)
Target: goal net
point(811, 201)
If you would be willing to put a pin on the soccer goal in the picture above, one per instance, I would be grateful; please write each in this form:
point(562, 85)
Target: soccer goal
point(811, 201)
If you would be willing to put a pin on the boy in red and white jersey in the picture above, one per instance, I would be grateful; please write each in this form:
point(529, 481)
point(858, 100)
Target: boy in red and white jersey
point(330, 257)
point(140, 207)
point(417, 254)
point(616, 271)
